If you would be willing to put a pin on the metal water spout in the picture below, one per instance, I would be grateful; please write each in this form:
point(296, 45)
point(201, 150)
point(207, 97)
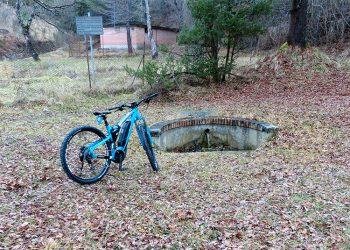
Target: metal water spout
point(207, 136)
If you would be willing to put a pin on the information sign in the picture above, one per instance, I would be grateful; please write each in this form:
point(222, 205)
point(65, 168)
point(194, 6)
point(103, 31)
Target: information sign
point(89, 25)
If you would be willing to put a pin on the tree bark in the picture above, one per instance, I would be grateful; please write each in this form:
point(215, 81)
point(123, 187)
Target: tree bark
point(30, 46)
point(128, 32)
point(298, 24)
point(149, 31)
point(128, 37)
point(25, 26)
point(227, 58)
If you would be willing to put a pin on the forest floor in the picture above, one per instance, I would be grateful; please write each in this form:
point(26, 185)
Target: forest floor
point(292, 193)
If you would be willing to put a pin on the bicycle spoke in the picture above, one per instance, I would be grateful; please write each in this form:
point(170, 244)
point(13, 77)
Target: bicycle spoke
point(78, 154)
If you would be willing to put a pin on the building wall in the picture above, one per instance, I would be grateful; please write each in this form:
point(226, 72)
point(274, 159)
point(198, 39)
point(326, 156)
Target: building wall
point(115, 38)
point(165, 36)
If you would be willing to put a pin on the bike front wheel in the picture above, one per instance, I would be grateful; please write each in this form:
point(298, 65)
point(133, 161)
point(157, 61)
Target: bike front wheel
point(146, 142)
point(79, 162)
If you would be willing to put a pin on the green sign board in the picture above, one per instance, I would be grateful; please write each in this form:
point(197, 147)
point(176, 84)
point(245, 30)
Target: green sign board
point(89, 25)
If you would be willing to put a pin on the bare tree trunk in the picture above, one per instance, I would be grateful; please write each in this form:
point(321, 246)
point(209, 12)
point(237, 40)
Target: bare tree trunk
point(128, 32)
point(26, 30)
point(30, 46)
point(227, 58)
point(128, 37)
point(298, 23)
point(114, 12)
point(149, 31)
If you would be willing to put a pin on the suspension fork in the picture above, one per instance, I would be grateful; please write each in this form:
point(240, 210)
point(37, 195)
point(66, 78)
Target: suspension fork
point(139, 123)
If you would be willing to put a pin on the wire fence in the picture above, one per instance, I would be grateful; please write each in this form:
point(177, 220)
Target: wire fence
point(104, 65)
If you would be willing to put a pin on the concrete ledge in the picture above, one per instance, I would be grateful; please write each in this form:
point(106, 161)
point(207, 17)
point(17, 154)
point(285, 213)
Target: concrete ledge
point(230, 133)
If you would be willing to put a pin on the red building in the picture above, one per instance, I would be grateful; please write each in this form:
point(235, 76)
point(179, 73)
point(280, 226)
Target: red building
point(115, 38)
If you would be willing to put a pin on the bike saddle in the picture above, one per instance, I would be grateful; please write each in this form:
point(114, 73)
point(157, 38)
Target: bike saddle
point(98, 113)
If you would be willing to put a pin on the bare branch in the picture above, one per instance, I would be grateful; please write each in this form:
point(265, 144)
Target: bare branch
point(53, 8)
point(52, 24)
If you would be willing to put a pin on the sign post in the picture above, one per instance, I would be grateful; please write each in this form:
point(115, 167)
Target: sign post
point(87, 59)
point(89, 25)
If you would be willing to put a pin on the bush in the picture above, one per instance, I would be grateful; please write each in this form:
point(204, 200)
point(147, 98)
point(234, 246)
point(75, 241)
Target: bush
point(162, 76)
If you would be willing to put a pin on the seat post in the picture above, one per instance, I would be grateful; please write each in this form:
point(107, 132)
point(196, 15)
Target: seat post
point(105, 121)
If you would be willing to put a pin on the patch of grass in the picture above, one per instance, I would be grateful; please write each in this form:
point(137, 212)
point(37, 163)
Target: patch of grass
point(244, 160)
point(300, 198)
point(109, 91)
point(51, 81)
point(175, 247)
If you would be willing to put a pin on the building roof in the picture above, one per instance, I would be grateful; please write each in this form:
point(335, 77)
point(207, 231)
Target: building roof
point(138, 24)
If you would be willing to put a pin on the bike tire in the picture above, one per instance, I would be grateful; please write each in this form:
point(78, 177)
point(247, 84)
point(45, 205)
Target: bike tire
point(66, 147)
point(147, 146)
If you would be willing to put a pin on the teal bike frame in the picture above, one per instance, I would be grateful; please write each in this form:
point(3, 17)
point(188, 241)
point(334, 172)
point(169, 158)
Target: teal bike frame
point(103, 148)
point(135, 118)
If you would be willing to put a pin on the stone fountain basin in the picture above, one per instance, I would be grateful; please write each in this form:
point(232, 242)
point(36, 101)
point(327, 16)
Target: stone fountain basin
point(211, 133)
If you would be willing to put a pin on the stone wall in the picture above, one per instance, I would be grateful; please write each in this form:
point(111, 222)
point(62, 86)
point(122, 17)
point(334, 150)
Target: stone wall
point(218, 133)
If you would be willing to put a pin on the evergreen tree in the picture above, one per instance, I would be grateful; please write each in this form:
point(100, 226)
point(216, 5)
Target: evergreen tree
point(219, 25)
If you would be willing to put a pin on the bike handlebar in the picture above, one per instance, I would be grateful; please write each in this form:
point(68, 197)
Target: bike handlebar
point(146, 99)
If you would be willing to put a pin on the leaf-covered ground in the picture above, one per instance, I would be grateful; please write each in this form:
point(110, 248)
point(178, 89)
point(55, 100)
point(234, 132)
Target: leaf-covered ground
point(292, 193)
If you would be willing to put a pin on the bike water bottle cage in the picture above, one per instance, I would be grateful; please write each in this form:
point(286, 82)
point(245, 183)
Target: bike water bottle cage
point(99, 120)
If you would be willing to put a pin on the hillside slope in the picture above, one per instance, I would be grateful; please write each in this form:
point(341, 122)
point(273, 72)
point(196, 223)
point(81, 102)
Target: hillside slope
point(41, 31)
point(12, 42)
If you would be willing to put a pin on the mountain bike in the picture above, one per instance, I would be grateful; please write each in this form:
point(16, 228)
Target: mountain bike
point(86, 152)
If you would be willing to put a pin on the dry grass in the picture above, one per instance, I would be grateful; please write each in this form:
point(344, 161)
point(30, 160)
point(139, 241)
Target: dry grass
point(57, 77)
point(293, 193)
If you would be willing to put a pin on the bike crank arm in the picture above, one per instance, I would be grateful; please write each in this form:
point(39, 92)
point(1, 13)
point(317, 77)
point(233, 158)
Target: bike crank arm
point(101, 157)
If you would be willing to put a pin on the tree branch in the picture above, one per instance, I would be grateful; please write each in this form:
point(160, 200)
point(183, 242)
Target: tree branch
point(54, 25)
point(54, 9)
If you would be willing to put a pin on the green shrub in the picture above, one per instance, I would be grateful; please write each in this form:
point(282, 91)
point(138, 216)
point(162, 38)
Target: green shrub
point(159, 75)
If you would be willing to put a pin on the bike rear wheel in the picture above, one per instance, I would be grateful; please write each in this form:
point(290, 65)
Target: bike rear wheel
point(78, 162)
point(147, 146)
